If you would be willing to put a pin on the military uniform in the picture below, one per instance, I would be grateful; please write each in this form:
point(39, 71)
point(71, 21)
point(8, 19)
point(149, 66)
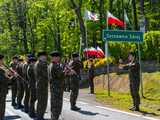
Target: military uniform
point(76, 65)
point(20, 85)
point(3, 91)
point(26, 87)
point(134, 76)
point(56, 77)
point(91, 77)
point(14, 85)
point(41, 76)
point(32, 88)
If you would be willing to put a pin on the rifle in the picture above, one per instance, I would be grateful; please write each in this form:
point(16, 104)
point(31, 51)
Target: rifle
point(15, 74)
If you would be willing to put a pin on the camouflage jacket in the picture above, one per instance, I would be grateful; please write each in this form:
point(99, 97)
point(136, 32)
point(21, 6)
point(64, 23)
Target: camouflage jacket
point(56, 75)
point(31, 76)
point(3, 82)
point(41, 74)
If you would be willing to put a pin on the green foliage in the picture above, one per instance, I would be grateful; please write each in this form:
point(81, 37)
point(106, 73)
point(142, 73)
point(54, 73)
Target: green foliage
point(33, 25)
point(123, 100)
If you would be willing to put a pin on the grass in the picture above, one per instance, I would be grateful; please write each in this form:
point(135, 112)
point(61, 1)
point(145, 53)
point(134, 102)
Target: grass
point(149, 105)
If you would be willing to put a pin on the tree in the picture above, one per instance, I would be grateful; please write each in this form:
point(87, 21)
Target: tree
point(77, 9)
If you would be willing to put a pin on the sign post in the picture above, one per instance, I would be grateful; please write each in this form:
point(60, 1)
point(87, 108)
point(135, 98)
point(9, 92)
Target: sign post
point(123, 36)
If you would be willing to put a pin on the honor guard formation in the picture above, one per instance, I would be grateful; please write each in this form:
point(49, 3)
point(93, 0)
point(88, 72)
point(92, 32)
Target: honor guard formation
point(33, 80)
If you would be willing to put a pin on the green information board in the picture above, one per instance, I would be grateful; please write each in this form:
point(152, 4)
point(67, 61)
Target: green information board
point(122, 36)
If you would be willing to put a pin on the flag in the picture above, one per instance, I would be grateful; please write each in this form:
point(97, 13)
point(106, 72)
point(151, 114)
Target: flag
point(100, 52)
point(91, 16)
point(113, 20)
point(126, 19)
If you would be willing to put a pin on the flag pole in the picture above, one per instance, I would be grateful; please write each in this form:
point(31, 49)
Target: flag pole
point(107, 56)
point(86, 34)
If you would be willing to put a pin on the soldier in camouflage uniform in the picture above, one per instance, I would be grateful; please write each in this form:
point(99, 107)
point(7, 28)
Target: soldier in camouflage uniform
point(75, 65)
point(20, 84)
point(91, 75)
point(32, 86)
point(3, 88)
point(26, 85)
point(41, 76)
point(134, 76)
point(56, 77)
point(13, 65)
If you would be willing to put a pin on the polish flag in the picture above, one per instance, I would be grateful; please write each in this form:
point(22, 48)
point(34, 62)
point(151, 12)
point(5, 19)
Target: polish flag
point(113, 20)
point(100, 53)
point(91, 16)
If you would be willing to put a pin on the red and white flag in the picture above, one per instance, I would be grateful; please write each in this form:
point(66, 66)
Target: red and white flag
point(91, 16)
point(113, 20)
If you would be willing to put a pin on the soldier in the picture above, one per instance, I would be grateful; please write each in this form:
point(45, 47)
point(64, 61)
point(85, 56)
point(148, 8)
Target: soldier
point(20, 84)
point(91, 75)
point(32, 86)
point(13, 65)
point(41, 76)
point(76, 66)
point(134, 76)
point(3, 88)
point(26, 85)
point(56, 77)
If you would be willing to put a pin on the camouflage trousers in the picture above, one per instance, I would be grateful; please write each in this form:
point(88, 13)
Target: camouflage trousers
point(26, 98)
point(134, 89)
point(14, 90)
point(56, 102)
point(74, 89)
point(3, 92)
point(32, 100)
point(42, 99)
point(20, 91)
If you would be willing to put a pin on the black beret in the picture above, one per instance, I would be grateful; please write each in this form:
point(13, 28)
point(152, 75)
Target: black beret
point(30, 55)
point(43, 53)
point(15, 57)
point(32, 59)
point(55, 54)
point(74, 55)
point(1, 56)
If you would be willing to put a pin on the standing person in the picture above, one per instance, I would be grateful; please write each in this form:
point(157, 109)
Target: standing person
point(56, 77)
point(91, 75)
point(20, 84)
point(13, 66)
point(134, 75)
point(41, 76)
point(3, 88)
point(5, 75)
point(76, 66)
point(26, 84)
point(32, 86)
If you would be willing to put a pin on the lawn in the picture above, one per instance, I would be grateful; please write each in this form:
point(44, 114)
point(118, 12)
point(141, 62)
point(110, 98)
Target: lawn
point(122, 100)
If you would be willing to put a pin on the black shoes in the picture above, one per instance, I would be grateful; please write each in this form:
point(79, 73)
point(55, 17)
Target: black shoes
point(75, 108)
point(39, 118)
point(134, 108)
point(20, 106)
point(32, 115)
point(14, 104)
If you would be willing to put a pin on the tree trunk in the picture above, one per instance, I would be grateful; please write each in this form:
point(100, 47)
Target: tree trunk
point(110, 5)
point(32, 36)
point(77, 9)
point(135, 15)
point(142, 7)
point(58, 36)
